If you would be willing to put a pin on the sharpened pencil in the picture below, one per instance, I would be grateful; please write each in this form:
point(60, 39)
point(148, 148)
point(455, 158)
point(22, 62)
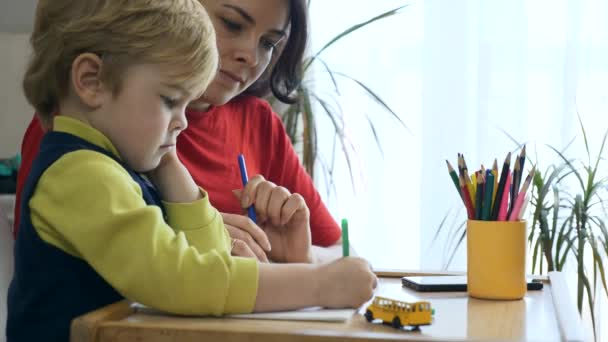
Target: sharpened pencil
point(501, 186)
point(454, 177)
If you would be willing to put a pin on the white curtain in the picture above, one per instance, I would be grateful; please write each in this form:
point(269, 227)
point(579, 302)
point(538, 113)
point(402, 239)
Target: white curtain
point(459, 73)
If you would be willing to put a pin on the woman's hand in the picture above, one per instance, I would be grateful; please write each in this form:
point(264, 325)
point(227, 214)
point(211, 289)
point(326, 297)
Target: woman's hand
point(249, 239)
point(283, 216)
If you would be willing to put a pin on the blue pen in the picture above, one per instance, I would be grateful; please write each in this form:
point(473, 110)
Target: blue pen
point(245, 179)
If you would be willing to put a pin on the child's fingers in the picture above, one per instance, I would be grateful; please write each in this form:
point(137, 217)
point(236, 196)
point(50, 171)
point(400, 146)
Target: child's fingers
point(244, 237)
point(244, 223)
point(242, 249)
point(294, 203)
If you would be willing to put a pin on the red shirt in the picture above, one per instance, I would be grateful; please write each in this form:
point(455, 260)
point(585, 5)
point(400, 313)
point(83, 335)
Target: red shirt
point(209, 148)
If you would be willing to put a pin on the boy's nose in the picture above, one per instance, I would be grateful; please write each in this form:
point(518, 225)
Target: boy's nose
point(179, 122)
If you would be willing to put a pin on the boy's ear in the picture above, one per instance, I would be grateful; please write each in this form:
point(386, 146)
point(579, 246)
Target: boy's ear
point(86, 81)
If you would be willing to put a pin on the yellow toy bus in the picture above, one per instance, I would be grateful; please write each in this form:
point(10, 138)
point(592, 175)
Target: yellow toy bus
point(398, 313)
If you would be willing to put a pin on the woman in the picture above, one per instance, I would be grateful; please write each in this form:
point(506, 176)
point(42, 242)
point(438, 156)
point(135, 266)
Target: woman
point(261, 44)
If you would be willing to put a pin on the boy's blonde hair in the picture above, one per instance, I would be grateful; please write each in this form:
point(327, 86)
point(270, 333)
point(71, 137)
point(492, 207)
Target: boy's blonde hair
point(175, 33)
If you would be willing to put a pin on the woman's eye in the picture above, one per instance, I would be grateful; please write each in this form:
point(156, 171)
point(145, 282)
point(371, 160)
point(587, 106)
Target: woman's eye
point(231, 25)
point(169, 102)
point(268, 45)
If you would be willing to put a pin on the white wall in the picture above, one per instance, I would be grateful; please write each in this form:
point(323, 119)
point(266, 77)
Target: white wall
point(15, 112)
point(17, 15)
point(7, 203)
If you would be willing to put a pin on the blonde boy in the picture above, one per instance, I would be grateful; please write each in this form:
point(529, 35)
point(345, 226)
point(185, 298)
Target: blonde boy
point(93, 230)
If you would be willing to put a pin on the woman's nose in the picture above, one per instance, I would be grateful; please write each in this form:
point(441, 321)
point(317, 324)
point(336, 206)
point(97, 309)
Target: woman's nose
point(248, 53)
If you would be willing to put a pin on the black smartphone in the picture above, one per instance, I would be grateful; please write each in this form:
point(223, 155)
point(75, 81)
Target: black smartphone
point(450, 283)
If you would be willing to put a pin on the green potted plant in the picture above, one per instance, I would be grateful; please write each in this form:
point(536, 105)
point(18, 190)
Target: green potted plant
point(300, 119)
point(571, 224)
point(567, 224)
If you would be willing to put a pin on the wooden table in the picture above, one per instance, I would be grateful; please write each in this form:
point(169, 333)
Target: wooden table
point(457, 318)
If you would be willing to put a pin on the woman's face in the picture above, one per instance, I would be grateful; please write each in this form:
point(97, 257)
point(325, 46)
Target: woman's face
point(247, 32)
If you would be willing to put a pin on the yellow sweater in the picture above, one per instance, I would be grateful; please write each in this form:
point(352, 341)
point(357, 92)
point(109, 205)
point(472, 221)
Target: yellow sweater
point(87, 205)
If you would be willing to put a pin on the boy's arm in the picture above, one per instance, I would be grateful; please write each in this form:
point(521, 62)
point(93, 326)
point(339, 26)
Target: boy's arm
point(106, 223)
point(281, 287)
point(188, 206)
point(346, 282)
point(173, 181)
point(88, 206)
point(333, 252)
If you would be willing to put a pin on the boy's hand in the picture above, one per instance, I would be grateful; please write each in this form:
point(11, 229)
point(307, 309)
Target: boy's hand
point(283, 216)
point(161, 175)
point(173, 181)
point(346, 282)
point(251, 240)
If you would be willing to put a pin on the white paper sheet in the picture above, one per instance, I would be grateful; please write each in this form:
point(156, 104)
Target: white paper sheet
point(307, 314)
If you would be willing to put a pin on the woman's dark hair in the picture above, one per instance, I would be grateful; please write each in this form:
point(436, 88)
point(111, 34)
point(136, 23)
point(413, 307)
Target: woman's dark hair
point(284, 73)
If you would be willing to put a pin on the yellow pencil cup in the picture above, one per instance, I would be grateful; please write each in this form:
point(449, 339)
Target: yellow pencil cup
point(496, 259)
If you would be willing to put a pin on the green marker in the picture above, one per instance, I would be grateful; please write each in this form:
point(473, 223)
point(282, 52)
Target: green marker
point(345, 245)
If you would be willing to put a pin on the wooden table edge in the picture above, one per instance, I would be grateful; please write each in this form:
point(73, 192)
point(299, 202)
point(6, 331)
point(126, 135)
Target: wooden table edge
point(86, 327)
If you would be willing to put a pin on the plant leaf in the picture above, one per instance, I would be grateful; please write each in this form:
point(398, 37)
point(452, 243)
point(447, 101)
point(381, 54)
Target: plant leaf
point(331, 75)
point(351, 30)
point(340, 132)
point(462, 236)
point(578, 176)
point(584, 135)
point(376, 98)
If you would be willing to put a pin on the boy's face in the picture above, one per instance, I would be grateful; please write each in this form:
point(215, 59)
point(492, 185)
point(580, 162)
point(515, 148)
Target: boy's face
point(144, 118)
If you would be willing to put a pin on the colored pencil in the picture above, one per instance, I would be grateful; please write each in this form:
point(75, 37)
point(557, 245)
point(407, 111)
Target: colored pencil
point(514, 185)
point(459, 164)
point(345, 242)
point(487, 196)
point(474, 187)
point(467, 179)
point(522, 161)
point(504, 202)
point(454, 177)
point(478, 195)
point(245, 180)
point(501, 186)
point(495, 173)
point(521, 196)
point(524, 206)
point(521, 158)
point(487, 200)
point(468, 204)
